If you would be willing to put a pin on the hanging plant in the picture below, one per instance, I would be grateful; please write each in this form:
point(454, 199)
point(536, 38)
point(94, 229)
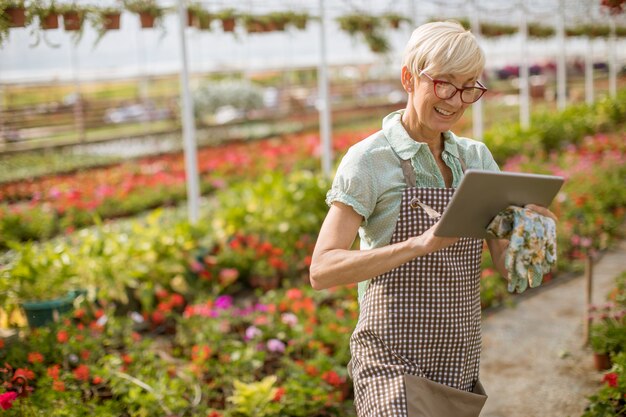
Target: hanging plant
point(297, 20)
point(377, 43)
point(494, 30)
point(228, 18)
point(395, 20)
point(536, 30)
point(12, 14)
point(591, 31)
point(367, 26)
point(73, 17)
point(46, 13)
point(199, 17)
point(276, 21)
point(253, 23)
point(620, 31)
point(150, 13)
point(104, 19)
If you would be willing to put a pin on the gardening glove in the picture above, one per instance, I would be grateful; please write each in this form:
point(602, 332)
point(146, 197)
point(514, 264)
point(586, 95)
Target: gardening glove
point(532, 245)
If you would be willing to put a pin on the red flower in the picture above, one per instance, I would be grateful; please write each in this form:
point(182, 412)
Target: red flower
point(6, 399)
point(280, 392)
point(1, 344)
point(97, 380)
point(82, 373)
point(610, 379)
point(62, 336)
point(127, 359)
point(332, 378)
point(23, 373)
point(214, 414)
point(84, 354)
point(35, 357)
point(58, 386)
point(53, 371)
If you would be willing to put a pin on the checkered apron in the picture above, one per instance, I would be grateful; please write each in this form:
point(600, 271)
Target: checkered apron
point(421, 318)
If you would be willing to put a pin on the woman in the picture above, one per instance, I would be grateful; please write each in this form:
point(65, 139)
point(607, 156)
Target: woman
point(416, 347)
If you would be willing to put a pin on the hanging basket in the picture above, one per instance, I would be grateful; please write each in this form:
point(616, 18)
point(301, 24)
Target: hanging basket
point(147, 20)
point(111, 21)
point(228, 24)
point(16, 17)
point(72, 21)
point(51, 21)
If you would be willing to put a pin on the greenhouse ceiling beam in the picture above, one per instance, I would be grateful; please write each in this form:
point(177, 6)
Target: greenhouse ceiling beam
point(323, 101)
point(189, 127)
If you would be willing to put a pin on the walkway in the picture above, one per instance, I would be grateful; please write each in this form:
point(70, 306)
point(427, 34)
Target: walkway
point(533, 362)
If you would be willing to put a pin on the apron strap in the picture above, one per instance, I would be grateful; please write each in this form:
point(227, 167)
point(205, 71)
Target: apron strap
point(409, 172)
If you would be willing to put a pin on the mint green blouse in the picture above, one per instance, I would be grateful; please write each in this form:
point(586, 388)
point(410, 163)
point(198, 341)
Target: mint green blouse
point(370, 180)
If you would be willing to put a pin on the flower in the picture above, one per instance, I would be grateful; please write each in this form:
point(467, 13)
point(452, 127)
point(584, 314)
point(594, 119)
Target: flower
point(81, 373)
point(252, 332)
point(23, 373)
point(224, 302)
point(214, 414)
point(6, 399)
point(53, 371)
point(62, 336)
point(332, 378)
point(275, 345)
point(610, 379)
point(35, 357)
point(280, 392)
point(289, 319)
point(58, 386)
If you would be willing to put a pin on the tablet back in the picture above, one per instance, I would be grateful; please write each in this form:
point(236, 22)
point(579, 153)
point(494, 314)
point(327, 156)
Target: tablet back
point(483, 194)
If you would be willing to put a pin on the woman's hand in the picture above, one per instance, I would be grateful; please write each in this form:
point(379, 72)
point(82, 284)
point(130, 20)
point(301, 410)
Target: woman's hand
point(428, 243)
point(541, 210)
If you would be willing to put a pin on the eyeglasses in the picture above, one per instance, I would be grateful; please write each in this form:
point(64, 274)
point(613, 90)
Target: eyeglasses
point(446, 90)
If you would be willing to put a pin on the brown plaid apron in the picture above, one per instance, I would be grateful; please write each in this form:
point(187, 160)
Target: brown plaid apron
point(419, 325)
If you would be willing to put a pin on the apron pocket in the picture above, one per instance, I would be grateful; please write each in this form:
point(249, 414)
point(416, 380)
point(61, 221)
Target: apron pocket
point(426, 398)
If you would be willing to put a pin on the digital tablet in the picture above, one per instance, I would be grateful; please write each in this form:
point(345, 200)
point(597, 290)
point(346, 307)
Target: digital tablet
point(483, 194)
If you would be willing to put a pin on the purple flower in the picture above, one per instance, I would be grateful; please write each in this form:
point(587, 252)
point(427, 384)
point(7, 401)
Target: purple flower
point(261, 307)
point(275, 345)
point(224, 302)
point(252, 332)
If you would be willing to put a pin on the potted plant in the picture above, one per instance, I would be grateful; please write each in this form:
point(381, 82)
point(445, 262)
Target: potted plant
point(41, 280)
point(199, 17)
point(150, 13)
point(607, 335)
point(73, 17)
point(47, 13)
point(104, 19)
point(297, 20)
point(395, 19)
point(13, 13)
point(228, 18)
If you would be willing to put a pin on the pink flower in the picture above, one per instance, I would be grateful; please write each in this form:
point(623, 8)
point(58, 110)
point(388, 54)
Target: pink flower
point(289, 319)
point(6, 399)
point(275, 345)
point(252, 332)
point(224, 302)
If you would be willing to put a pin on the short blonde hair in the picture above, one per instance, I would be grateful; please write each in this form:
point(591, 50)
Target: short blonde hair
point(444, 48)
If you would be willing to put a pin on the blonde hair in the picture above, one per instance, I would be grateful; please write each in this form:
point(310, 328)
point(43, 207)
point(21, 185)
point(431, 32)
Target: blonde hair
point(444, 48)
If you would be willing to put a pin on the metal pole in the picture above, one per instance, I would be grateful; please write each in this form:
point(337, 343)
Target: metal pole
point(79, 111)
point(524, 108)
point(323, 103)
point(588, 297)
point(561, 66)
point(612, 60)
point(189, 128)
point(589, 71)
point(477, 108)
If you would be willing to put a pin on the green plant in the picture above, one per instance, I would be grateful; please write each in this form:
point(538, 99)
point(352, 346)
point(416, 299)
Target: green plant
point(253, 399)
point(395, 19)
point(6, 20)
point(610, 400)
point(608, 331)
point(147, 7)
point(39, 273)
point(200, 17)
point(74, 16)
point(539, 31)
point(367, 26)
point(104, 19)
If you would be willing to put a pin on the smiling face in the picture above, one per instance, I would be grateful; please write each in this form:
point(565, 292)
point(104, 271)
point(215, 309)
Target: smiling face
point(426, 115)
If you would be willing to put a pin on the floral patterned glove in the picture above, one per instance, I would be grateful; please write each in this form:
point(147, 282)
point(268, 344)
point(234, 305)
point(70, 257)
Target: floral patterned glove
point(532, 245)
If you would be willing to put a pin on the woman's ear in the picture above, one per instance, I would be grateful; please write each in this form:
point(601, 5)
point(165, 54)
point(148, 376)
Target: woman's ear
point(407, 79)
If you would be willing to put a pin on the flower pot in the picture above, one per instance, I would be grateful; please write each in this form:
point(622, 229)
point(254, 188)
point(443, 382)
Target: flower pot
point(72, 21)
point(16, 17)
point(50, 22)
point(228, 24)
point(147, 20)
point(601, 361)
point(40, 313)
point(111, 21)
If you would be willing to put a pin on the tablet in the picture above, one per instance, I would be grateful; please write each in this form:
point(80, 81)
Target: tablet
point(483, 194)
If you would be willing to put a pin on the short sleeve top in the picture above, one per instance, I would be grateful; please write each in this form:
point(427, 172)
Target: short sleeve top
point(370, 180)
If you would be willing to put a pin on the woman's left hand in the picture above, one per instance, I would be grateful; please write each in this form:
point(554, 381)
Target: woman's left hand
point(541, 210)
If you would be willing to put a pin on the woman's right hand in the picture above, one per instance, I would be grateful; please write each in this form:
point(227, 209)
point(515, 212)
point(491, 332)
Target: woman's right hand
point(428, 243)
